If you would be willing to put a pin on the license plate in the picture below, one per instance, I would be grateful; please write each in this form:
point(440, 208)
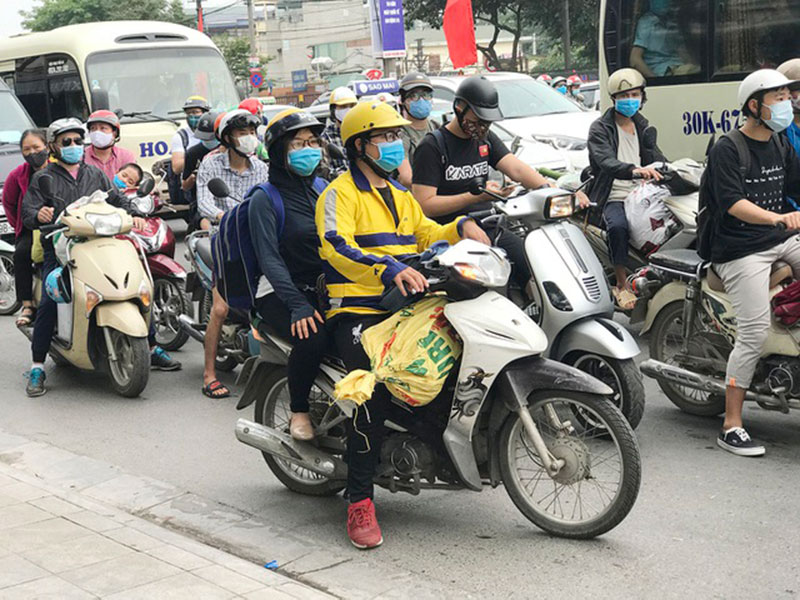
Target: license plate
point(5, 227)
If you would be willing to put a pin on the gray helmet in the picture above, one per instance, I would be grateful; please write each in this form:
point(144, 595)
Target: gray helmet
point(197, 102)
point(60, 126)
point(415, 79)
point(205, 126)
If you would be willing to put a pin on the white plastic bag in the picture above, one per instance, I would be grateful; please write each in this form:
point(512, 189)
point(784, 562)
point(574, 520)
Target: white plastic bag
point(650, 223)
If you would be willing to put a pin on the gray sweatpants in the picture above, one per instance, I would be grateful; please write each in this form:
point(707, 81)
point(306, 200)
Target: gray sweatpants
point(746, 282)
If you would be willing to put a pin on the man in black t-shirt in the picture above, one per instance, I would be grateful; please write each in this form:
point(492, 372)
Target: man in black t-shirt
point(448, 160)
point(744, 210)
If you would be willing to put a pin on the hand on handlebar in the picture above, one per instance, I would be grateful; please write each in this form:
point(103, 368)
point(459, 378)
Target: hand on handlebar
point(300, 329)
point(45, 214)
point(647, 173)
point(583, 199)
point(789, 220)
point(470, 230)
point(410, 280)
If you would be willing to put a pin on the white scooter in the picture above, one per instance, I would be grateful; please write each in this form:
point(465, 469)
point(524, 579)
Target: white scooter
point(548, 432)
point(8, 289)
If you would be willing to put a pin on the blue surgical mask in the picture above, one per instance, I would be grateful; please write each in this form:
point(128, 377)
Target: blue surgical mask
point(210, 144)
point(627, 107)
point(72, 155)
point(119, 183)
point(192, 121)
point(304, 162)
point(562, 89)
point(420, 108)
point(782, 116)
point(391, 156)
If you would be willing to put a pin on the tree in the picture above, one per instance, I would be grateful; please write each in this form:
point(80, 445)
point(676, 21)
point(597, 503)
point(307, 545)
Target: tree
point(236, 51)
point(576, 24)
point(57, 13)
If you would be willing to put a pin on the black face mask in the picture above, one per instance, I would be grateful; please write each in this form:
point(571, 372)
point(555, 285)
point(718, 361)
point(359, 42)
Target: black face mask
point(476, 130)
point(37, 159)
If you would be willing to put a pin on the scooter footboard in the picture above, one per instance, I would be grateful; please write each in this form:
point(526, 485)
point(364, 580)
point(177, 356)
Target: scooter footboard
point(595, 335)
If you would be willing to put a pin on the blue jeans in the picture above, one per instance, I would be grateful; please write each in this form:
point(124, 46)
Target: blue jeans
point(616, 224)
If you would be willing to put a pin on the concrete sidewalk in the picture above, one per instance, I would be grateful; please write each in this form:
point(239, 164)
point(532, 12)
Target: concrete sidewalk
point(60, 544)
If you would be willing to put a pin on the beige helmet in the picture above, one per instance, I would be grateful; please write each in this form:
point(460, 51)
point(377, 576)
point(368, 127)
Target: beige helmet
point(623, 80)
point(342, 95)
point(791, 69)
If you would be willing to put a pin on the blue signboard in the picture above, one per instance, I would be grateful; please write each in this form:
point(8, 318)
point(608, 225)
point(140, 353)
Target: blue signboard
point(299, 80)
point(366, 88)
point(388, 28)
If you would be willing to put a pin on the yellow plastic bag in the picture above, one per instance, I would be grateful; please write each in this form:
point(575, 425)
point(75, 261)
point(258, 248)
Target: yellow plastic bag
point(37, 252)
point(411, 352)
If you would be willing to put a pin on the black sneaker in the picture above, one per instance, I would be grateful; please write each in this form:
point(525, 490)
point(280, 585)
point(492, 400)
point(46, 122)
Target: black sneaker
point(35, 385)
point(738, 441)
point(160, 360)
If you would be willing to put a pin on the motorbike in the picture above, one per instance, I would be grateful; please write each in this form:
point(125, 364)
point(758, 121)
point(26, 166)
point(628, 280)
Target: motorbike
point(157, 242)
point(8, 289)
point(507, 415)
point(692, 328)
point(104, 324)
point(567, 295)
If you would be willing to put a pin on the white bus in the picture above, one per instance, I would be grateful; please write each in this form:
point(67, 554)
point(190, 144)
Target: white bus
point(694, 53)
point(143, 69)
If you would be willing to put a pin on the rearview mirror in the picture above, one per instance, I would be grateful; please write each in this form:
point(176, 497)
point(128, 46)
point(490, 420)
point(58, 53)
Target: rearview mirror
point(146, 186)
point(218, 188)
point(100, 99)
point(475, 186)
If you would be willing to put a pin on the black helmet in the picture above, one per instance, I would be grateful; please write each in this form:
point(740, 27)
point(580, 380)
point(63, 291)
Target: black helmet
point(197, 102)
point(205, 127)
point(481, 96)
point(413, 80)
point(291, 119)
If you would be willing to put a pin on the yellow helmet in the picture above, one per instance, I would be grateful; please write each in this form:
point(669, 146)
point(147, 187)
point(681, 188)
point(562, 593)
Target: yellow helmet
point(342, 95)
point(367, 116)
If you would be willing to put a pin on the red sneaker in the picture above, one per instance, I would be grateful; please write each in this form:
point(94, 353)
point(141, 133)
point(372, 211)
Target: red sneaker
point(362, 526)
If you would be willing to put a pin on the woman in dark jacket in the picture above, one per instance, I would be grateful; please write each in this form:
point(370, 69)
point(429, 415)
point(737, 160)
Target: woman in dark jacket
point(287, 248)
point(33, 145)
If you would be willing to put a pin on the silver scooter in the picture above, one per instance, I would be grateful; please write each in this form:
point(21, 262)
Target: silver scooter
point(567, 295)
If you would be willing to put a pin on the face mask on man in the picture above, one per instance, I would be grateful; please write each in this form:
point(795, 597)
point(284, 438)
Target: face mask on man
point(192, 121)
point(72, 155)
point(210, 144)
point(782, 116)
point(627, 107)
point(341, 113)
point(36, 159)
point(101, 139)
point(247, 144)
point(420, 108)
point(477, 130)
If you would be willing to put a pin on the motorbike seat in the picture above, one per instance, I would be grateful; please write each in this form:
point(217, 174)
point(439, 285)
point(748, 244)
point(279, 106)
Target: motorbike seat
point(683, 261)
point(781, 271)
point(204, 251)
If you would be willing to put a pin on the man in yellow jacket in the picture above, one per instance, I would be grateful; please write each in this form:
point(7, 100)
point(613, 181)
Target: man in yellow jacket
point(367, 224)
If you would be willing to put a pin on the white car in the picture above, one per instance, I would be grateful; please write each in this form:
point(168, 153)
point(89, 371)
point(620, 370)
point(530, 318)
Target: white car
point(535, 112)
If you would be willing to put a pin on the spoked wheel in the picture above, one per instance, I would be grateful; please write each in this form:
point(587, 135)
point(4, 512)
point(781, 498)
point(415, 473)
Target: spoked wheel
point(599, 481)
point(666, 340)
point(622, 376)
point(273, 410)
point(169, 302)
point(130, 372)
point(8, 288)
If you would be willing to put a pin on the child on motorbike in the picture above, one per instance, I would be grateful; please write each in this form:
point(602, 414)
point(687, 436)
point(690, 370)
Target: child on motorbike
point(128, 177)
point(366, 223)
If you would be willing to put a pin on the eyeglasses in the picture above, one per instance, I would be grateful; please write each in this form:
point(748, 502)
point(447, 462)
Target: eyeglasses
point(307, 143)
point(389, 136)
point(69, 141)
point(420, 96)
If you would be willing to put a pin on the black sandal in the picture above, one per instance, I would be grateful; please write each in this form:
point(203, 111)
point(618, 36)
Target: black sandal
point(216, 390)
point(26, 317)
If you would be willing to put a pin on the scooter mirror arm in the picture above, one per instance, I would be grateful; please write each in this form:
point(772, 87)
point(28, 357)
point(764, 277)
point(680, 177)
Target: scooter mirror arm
point(497, 197)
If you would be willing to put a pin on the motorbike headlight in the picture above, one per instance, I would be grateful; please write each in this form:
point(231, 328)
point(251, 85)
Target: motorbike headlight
point(93, 298)
point(561, 142)
point(490, 269)
point(105, 224)
point(558, 207)
point(145, 294)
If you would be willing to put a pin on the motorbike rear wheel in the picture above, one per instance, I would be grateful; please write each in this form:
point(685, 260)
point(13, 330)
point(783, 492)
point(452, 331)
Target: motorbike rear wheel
point(272, 410)
point(169, 302)
point(8, 289)
point(599, 482)
point(665, 342)
point(130, 372)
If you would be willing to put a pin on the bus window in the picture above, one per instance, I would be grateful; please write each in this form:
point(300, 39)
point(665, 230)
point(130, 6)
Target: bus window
point(31, 88)
point(750, 36)
point(64, 86)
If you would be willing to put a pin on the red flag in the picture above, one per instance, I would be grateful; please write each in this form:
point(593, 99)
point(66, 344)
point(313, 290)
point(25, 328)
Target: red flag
point(459, 31)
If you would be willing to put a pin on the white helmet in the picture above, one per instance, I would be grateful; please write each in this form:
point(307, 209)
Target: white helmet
point(762, 80)
point(342, 95)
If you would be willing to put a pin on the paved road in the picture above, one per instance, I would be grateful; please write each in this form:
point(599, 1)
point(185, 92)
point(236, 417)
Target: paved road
point(706, 524)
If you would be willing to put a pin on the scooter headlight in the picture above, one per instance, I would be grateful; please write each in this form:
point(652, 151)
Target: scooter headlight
point(110, 224)
point(559, 207)
point(145, 294)
point(93, 298)
point(489, 268)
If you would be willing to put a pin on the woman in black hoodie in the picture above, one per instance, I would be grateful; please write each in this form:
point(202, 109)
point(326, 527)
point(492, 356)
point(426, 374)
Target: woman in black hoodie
point(284, 234)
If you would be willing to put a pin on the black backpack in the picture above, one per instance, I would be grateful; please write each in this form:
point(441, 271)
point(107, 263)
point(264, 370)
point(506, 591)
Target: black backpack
point(707, 222)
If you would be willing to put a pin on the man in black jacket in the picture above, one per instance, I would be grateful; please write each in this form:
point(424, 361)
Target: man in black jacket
point(621, 144)
point(71, 180)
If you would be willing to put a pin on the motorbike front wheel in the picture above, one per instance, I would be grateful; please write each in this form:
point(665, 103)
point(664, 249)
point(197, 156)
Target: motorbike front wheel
point(130, 372)
point(622, 376)
point(599, 482)
point(8, 288)
point(273, 410)
point(170, 302)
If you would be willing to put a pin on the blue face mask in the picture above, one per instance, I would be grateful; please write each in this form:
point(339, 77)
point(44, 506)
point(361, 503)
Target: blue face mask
point(628, 107)
point(210, 144)
point(119, 183)
point(420, 108)
point(562, 89)
point(72, 155)
point(391, 156)
point(192, 121)
point(304, 162)
point(782, 116)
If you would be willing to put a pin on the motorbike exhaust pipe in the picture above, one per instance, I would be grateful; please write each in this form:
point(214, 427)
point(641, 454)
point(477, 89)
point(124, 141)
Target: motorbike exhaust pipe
point(188, 326)
point(672, 374)
point(282, 445)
